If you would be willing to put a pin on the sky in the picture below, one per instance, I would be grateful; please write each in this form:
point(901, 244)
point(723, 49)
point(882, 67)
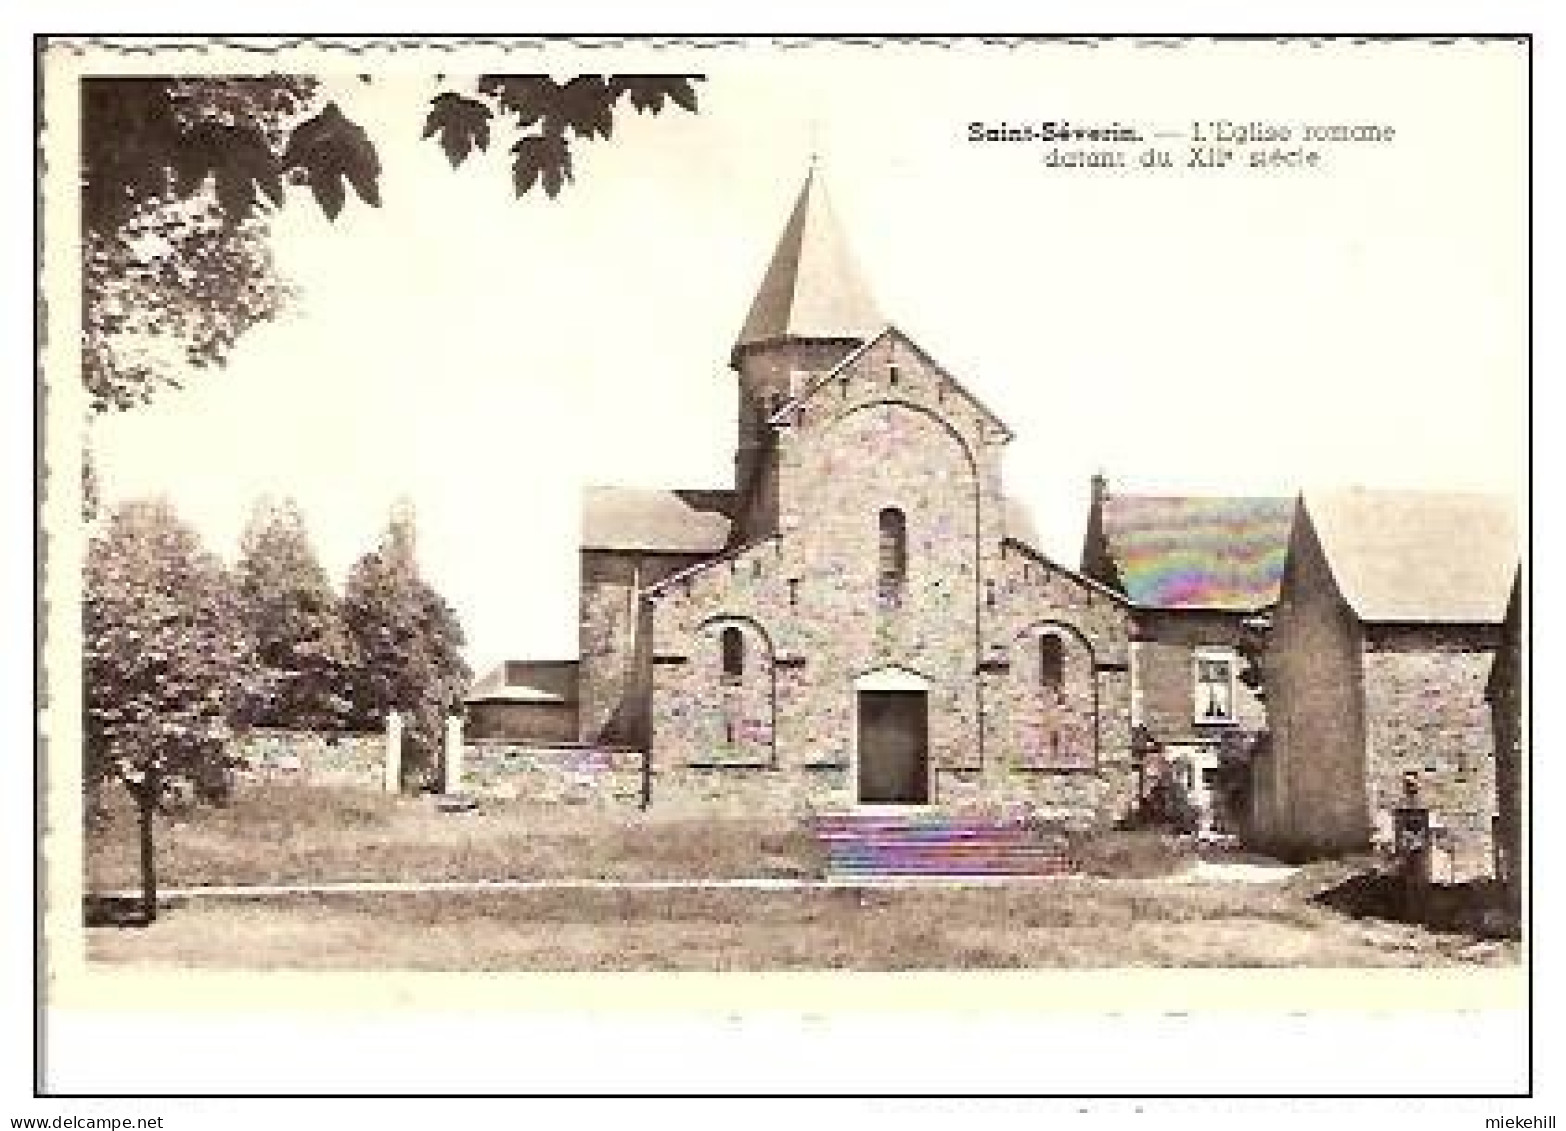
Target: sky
point(1180, 330)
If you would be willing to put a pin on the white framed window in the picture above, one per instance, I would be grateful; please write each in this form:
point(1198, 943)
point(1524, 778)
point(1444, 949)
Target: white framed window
point(1214, 679)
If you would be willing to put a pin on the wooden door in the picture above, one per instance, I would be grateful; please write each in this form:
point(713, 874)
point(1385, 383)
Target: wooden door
point(894, 763)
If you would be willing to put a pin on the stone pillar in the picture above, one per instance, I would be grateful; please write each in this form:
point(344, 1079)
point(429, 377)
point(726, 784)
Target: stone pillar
point(393, 752)
point(453, 782)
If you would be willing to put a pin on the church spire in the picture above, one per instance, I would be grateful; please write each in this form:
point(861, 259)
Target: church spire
point(812, 288)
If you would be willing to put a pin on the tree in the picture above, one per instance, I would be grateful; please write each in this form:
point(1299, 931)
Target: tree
point(295, 618)
point(175, 261)
point(167, 662)
point(177, 175)
point(408, 642)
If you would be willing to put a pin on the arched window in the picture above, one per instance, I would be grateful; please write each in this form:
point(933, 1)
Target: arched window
point(893, 556)
point(1052, 663)
point(732, 643)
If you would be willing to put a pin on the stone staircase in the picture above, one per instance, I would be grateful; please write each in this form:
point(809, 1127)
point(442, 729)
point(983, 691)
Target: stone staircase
point(926, 843)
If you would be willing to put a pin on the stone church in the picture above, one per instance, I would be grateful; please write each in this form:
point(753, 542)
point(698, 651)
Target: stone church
point(863, 617)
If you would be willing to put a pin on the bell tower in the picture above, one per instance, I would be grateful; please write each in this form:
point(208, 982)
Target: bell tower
point(811, 311)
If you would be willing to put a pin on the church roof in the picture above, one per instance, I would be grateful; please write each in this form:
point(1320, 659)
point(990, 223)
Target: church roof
point(785, 412)
point(812, 287)
point(526, 681)
point(1418, 556)
point(1197, 552)
point(656, 521)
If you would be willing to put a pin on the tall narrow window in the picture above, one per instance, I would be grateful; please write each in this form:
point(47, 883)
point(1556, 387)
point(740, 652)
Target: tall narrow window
point(1214, 687)
point(1052, 663)
point(733, 646)
point(893, 557)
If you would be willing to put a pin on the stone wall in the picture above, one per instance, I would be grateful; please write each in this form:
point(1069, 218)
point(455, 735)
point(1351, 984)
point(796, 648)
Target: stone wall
point(1167, 643)
point(311, 757)
point(1071, 751)
point(893, 431)
point(614, 678)
point(1427, 726)
point(1315, 799)
point(1504, 692)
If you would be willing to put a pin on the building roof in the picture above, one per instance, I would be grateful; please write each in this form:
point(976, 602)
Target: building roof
point(502, 685)
point(1418, 556)
point(1195, 551)
point(656, 521)
point(786, 411)
point(812, 287)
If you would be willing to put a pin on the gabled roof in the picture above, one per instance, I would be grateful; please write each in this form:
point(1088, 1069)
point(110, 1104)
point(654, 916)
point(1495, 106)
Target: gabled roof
point(508, 682)
point(785, 412)
point(1197, 552)
point(656, 521)
point(812, 287)
point(1418, 556)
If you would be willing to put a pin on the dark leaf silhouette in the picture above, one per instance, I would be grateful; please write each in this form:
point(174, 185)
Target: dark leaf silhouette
point(332, 149)
point(460, 124)
point(179, 174)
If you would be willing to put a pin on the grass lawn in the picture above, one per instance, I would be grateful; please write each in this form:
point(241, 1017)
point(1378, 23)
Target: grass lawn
point(300, 834)
point(283, 834)
point(1069, 923)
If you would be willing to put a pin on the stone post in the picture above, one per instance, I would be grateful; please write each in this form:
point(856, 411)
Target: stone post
point(453, 782)
point(393, 752)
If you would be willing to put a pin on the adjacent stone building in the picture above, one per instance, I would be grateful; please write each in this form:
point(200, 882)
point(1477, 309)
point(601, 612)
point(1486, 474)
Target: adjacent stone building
point(1388, 617)
point(1197, 571)
point(524, 701)
point(1504, 694)
point(864, 617)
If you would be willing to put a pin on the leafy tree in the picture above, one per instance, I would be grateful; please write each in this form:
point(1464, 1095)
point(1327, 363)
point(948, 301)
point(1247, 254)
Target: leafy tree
point(177, 174)
point(167, 662)
point(295, 618)
point(175, 263)
point(408, 642)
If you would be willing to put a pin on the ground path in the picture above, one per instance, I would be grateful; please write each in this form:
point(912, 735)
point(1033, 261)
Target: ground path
point(1202, 872)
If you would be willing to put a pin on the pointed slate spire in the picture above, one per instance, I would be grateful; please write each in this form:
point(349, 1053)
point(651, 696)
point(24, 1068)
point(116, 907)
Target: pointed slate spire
point(812, 288)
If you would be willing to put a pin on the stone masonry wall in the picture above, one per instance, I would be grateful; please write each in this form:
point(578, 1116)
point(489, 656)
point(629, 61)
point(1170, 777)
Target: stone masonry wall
point(1166, 676)
point(1070, 752)
point(1426, 717)
point(893, 431)
point(1313, 802)
point(812, 590)
point(311, 757)
point(614, 677)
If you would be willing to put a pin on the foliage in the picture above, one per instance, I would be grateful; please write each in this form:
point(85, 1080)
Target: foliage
point(408, 643)
point(177, 174)
point(173, 288)
point(167, 660)
point(1131, 854)
point(174, 265)
point(294, 616)
point(545, 114)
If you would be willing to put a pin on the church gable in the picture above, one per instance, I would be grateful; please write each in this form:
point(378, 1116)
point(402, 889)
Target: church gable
point(892, 367)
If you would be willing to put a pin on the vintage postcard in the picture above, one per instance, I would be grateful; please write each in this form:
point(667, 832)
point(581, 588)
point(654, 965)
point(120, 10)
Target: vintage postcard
point(902, 525)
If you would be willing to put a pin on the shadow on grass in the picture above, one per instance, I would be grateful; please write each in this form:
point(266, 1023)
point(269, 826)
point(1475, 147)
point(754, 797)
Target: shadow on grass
point(1475, 908)
point(113, 911)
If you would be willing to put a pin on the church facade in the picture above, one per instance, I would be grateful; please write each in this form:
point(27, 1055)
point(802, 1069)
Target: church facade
point(862, 618)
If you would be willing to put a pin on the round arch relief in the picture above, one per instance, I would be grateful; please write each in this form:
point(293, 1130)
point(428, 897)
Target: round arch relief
point(891, 678)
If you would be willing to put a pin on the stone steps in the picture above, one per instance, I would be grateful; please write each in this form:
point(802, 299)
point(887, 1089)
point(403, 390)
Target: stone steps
point(876, 845)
